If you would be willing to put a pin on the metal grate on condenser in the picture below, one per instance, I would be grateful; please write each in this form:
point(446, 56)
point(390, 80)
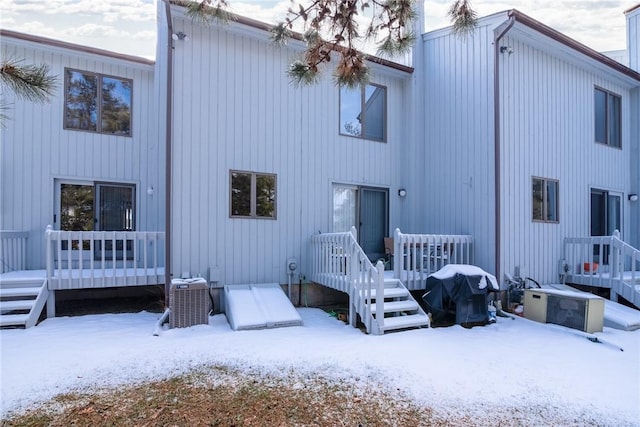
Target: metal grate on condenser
point(188, 303)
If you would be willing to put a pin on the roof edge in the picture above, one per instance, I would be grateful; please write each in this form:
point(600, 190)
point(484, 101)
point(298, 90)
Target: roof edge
point(253, 23)
point(73, 46)
point(573, 44)
point(632, 8)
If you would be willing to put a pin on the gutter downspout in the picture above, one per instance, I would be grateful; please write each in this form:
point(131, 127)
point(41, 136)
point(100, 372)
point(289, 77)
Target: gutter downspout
point(168, 136)
point(497, 139)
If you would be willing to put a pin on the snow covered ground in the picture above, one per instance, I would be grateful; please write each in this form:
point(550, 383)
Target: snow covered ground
point(514, 363)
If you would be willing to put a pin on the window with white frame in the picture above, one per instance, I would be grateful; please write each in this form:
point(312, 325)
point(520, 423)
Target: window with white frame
point(607, 107)
point(253, 195)
point(363, 112)
point(545, 196)
point(97, 103)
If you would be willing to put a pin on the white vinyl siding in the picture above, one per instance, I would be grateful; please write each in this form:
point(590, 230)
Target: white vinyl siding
point(546, 130)
point(36, 150)
point(263, 123)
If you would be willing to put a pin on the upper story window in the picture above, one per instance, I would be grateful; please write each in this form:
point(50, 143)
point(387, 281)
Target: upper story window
point(97, 103)
point(363, 112)
point(253, 195)
point(545, 200)
point(608, 118)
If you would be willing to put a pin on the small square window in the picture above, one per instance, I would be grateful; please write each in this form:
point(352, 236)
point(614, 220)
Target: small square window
point(607, 109)
point(545, 200)
point(363, 112)
point(253, 195)
point(97, 103)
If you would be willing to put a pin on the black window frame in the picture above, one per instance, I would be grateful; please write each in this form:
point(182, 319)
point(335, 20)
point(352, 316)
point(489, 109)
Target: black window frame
point(253, 196)
point(608, 98)
point(545, 200)
point(363, 102)
point(98, 101)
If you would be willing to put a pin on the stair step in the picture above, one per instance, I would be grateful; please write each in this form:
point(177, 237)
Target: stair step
point(394, 306)
point(18, 282)
point(13, 319)
point(388, 292)
point(403, 322)
point(20, 292)
point(6, 306)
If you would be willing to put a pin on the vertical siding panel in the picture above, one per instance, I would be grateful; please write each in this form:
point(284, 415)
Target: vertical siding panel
point(36, 149)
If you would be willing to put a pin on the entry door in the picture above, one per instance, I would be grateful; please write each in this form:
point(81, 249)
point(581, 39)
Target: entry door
point(367, 209)
point(374, 221)
point(606, 216)
point(88, 206)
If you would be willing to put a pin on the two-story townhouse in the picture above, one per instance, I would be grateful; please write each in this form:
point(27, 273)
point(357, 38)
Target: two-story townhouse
point(535, 135)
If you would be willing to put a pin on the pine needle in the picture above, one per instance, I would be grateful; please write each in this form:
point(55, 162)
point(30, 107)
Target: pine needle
point(29, 82)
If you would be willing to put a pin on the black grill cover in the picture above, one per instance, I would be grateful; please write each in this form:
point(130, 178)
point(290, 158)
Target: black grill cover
point(457, 299)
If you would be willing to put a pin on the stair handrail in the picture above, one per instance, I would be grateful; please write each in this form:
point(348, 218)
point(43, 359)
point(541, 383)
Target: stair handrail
point(580, 258)
point(338, 261)
point(411, 251)
point(624, 254)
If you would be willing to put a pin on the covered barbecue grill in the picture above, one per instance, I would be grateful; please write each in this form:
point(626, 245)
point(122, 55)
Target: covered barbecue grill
point(459, 294)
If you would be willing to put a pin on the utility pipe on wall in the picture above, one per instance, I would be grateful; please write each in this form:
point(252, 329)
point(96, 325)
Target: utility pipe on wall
point(168, 136)
point(496, 143)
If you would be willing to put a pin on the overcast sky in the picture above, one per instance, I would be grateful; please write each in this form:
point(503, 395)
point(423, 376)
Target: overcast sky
point(128, 26)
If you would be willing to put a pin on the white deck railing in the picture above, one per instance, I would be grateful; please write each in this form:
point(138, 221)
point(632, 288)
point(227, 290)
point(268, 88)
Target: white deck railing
point(601, 260)
point(96, 259)
point(13, 250)
point(416, 256)
point(338, 262)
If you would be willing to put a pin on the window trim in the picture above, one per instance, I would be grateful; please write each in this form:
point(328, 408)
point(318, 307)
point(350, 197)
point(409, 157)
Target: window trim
point(362, 108)
point(607, 124)
point(100, 77)
point(545, 200)
point(253, 195)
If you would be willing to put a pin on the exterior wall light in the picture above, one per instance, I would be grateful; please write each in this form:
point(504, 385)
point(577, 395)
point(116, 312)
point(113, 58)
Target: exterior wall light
point(633, 197)
point(180, 36)
point(402, 192)
point(506, 49)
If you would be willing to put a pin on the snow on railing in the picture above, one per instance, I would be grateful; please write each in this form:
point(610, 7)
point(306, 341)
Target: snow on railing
point(338, 262)
point(603, 258)
point(416, 256)
point(13, 250)
point(96, 259)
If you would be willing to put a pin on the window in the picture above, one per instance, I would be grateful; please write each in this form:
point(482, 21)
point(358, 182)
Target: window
point(607, 118)
point(545, 200)
point(253, 195)
point(97, 103)
point(363, 112)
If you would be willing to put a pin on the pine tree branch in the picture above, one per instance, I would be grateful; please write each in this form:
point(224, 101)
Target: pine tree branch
point(29, 82)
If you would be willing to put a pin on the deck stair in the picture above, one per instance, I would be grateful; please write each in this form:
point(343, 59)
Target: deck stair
point(400, 309)
point(21, 300)
point(382, 303)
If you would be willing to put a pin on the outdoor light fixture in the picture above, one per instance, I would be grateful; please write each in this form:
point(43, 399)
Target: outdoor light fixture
point(180, 36)
point(506, 49)
point(633, 197)
point(150, 190)
point(402, 192)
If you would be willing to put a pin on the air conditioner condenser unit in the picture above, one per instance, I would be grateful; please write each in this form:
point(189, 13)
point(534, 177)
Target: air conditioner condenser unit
point(576, 310)
point(188, 303)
